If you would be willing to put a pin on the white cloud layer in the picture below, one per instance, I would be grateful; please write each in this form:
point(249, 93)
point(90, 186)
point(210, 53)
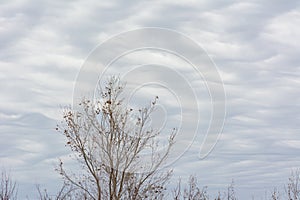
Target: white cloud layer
point(255, 45)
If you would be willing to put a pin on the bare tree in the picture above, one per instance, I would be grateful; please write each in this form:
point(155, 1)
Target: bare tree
point(109, 140)
point(293, 186)
point(8, 187)
point(231, 192)
point(275, 194)
point(65, 193)
point(191, 192)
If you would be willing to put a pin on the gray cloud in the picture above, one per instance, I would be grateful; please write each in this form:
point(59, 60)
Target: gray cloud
point(255, 45)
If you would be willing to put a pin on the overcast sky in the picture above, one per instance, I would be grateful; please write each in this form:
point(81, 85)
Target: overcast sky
point(254, 44)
